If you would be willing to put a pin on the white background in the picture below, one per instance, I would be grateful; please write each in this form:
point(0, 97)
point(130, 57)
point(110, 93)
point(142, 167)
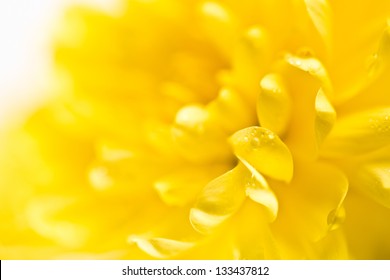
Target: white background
point(26, 28)
point(278, 270)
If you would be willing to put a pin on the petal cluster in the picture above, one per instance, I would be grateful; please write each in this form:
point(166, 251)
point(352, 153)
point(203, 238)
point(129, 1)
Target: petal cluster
point(207, 130)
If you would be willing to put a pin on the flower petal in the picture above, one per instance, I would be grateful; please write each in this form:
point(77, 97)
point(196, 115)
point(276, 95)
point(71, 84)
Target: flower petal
point(41, 216)
point(373, 180)
point(161, 248)
point(311, 91)
point(197, 137)
point(325, 117)
point(264, 151)
point(310, 206)
point(257, 189)
point(251, 58)
point(274, 104)
point(314, 67)
point(371, 91)
point(182, 186)
point(358, 133)
point(350, 52)
point(220, 199)
point(367, 228)
point(321, 15)
point(218, 19)
point(227, 110)
point(254, 239)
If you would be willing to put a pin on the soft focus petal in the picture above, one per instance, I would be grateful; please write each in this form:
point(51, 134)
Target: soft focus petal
point(367, 228)
point(321, 15)
point(372, 91)
point(160, 247)
point(309, 208)
point(253, 238)
point(183, 185)
point(358, 133)
point(372, 179)
point(351, 53)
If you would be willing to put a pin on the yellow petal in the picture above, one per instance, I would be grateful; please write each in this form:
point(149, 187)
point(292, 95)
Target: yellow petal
point(333, 246)
point(161, 248)
point(358, 133)
point(183, 185)
point(274, 104)
point(370, 91)
point(373, 180)
point(253, 237)
point(381, 58)
point(217, 19)
point(314, 67)
point(367, 228)
point(311, 117)
point(227, 110)
point(251, 58)
point(257, 189)
point(263, 150)
point(41, 216)
point(325, 117)
point(123, 168)
point(351, 53)
point(220, 199)
point(309, 207)
point(321, 15)
point(197, 137)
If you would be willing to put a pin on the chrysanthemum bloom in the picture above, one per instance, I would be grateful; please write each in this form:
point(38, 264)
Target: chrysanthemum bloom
point(208, 129)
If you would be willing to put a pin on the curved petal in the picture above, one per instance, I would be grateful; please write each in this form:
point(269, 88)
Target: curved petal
point(311, 91)
point(197, 137)
point(253, 236)
point(372, 91)
point(310, 206)
point(325, 117)
point(161, 248)
point(182, 186)
point(350, 52)
point(263, 150)
point(41, 216)
point(227, 110)
point(219, 200)
point(321, 15)
point(358, 134)
point(373, 180)
point(314, 67)
point(218, 19)
point(367, 228)
point(333, 246)
point(257, 189)
point(274, 104)
point(251, 58)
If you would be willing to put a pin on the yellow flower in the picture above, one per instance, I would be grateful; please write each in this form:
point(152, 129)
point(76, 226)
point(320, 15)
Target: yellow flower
point(208, 130)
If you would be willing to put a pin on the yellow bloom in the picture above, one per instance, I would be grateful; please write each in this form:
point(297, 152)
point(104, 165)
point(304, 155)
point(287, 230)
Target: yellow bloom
point(208, 129)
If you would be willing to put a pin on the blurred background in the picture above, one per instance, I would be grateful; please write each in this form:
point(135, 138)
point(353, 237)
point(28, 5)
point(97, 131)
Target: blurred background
point(26, 34)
